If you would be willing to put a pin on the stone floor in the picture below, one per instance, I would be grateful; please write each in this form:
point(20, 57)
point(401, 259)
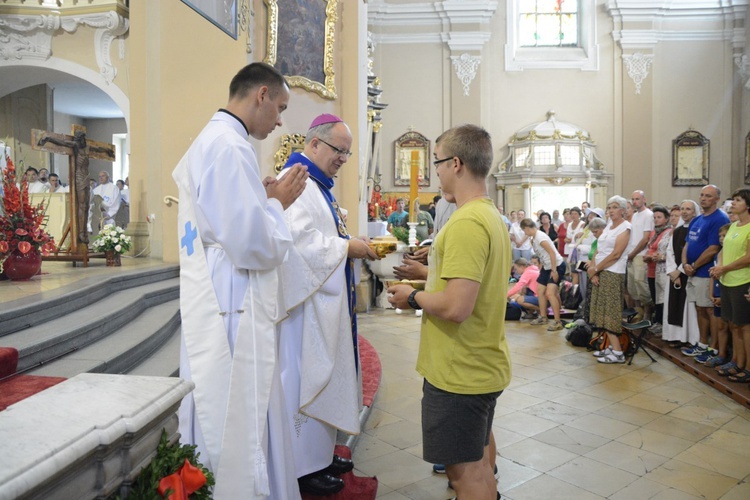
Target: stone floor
point(567, 427)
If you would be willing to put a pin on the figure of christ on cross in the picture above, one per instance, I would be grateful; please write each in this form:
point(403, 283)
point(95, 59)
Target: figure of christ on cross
point(79, 149)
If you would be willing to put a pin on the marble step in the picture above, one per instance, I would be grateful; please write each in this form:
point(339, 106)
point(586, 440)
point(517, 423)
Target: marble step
point(124, 349)
point(164, 362)
point(88, 324)
point(52, 304)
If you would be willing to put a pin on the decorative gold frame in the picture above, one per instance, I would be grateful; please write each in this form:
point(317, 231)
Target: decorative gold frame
point(403, 147)
point(690, 156)
point(747, 158)
point(326, 89)
point(290, 143)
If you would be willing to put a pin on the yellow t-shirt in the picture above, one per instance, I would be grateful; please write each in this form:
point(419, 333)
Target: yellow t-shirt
point(735, 247)
point(471, 357)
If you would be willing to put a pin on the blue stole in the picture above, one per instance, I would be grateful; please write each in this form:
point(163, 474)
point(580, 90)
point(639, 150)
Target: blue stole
point(325, 184)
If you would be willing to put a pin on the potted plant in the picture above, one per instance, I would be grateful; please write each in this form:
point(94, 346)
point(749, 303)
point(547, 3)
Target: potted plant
point(23, 239)
point(113, 241)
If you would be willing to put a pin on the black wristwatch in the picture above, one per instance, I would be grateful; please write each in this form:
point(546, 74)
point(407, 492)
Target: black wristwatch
point(413, 301)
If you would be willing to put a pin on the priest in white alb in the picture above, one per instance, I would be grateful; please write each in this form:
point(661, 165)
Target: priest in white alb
point(318, 341)
point(110, 198)
point(232, 239)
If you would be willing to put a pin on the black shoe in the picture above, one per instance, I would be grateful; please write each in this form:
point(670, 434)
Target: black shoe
point(320, 484)
point(340, 465)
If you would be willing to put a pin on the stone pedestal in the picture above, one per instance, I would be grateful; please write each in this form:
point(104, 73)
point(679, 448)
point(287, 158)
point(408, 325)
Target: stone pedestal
point(87, 437)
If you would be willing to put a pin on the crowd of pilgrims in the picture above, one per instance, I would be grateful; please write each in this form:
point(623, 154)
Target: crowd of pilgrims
point(685, 267)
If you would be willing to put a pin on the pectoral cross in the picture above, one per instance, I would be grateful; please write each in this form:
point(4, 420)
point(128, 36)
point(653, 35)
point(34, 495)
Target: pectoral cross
point(79, 150)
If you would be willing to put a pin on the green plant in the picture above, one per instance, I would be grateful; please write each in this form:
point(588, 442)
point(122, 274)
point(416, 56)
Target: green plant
point(401, 233)
point(168, 460)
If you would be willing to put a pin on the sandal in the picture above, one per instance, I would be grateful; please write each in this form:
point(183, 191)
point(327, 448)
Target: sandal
point(743, 376)
point(730, 368)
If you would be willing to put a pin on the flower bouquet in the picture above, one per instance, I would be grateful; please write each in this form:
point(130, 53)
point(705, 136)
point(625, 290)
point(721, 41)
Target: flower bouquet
point(113, 241)
point(23, 239)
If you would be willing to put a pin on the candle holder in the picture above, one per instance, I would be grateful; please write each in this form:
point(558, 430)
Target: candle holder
point(412, 236)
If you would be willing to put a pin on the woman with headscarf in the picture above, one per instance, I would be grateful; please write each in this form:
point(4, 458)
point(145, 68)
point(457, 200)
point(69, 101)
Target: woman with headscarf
point(680, 323)
point(656, 251)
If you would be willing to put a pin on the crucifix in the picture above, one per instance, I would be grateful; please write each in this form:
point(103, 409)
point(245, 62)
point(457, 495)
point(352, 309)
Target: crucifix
point(79, 150)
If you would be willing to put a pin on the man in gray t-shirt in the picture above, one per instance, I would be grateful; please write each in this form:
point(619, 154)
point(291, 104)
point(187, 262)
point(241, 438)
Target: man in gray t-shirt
point(642, 224)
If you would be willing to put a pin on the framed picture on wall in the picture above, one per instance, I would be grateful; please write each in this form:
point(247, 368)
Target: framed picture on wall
point(404, 146)
point(747, 158)
point(690, 156)
point(221, 13)
point(290, 143)
point(300, 43)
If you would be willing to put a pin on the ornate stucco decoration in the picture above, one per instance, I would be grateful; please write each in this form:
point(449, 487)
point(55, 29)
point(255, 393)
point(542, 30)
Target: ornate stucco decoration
point(466, 69)
point(30, 36)
point(638, 65)
point(743, 68)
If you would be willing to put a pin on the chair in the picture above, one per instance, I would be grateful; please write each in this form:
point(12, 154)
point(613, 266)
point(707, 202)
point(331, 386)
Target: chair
point(635, 332)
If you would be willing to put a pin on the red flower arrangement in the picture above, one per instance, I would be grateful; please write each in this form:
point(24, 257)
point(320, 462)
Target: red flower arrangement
point(22, 225)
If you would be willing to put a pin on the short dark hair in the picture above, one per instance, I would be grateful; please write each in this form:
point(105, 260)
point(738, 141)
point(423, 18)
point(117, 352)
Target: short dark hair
point(543, 214)
point(576, 209)
point(53, 175)
point(662, 209)
point(31, 169)
point(254, 75)
point(743, 193)
point(527, 223)
point(470, 143)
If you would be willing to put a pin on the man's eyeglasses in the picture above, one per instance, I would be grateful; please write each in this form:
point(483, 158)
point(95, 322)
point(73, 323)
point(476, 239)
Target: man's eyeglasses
point(438, 162)
point(338, 151)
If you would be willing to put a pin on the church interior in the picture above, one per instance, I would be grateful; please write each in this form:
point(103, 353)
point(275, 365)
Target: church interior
point(651, 96)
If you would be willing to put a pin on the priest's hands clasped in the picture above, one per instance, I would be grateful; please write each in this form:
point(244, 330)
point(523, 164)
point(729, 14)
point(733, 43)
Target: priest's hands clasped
point(288, 188)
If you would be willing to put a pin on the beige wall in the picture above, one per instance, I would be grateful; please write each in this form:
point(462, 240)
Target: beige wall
point(690, 84)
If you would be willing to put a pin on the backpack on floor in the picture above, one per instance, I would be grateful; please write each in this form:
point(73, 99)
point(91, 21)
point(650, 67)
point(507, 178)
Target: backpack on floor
point(513, 313)
point(580, 335)
point(601, 341)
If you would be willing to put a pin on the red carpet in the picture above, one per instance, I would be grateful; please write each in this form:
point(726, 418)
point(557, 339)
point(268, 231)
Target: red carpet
point(8, 361)
point(20, 387)
point(355, 487)
point(371, 371)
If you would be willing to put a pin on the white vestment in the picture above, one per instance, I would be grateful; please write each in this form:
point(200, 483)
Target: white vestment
point(316, 349)
point(234, 238)
point(110, 201)
point(37, 187)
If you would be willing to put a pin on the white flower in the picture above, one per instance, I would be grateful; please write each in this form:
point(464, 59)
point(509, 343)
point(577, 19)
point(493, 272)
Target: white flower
point(118, 248)
point(113, 233)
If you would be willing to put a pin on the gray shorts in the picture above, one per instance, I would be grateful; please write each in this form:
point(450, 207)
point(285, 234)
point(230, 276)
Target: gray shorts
point(455, 427)
point(697, 290)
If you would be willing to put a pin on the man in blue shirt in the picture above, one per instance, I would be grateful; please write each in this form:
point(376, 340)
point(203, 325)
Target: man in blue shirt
point(702, 244)
point(399, 217)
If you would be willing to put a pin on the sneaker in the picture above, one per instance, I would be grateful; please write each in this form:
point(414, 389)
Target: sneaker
point(611, 358)
point(715, 361)
point(702, 358)
point(529, 315)
point(539, 321)
point(438, 469)
point(603, 352)
point(555, 327)
point(693, 350)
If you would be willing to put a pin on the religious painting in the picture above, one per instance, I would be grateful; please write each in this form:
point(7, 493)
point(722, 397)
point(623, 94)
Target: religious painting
point(405, 146)
point(300, 43)
point(690, 155)
point(290, 143)
point(747, 158)
point(220, 13)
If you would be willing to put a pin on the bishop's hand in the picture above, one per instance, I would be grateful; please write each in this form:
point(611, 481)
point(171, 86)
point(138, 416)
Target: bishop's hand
point(289, 187)
point(359, 249)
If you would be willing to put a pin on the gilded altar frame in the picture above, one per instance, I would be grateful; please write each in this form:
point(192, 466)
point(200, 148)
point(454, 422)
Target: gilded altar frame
point(403, 147)
point(295, 48)
point(290, 143)
point(690, 157)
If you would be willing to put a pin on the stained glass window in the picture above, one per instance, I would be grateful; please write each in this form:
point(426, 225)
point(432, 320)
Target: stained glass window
point(548, 23)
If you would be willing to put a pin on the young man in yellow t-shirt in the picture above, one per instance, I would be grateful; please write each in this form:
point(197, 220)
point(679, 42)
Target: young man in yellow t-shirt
point(463, 354)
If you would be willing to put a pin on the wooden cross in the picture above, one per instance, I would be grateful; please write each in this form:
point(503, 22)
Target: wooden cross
point(79, 150)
